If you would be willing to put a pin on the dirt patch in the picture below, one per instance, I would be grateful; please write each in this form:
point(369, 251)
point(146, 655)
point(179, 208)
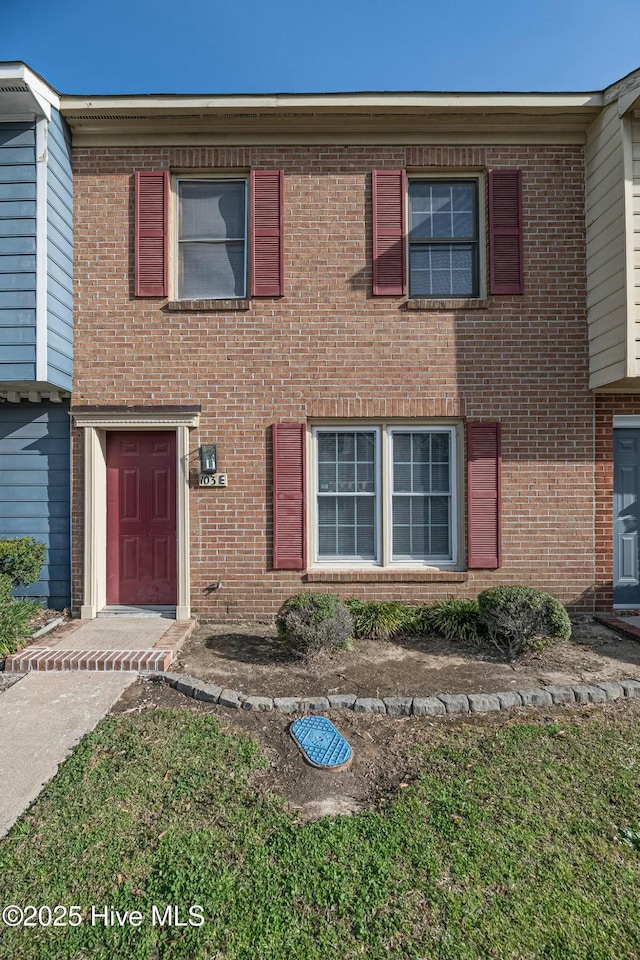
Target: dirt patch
point(384, 756)
point(250, 659)
point(46, 616)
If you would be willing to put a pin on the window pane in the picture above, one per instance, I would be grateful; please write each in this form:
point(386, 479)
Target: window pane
point(212, 210)
point(440, 447)
point(327, 447)
point(366, 446)
point(401, 542)
point(327, 510)
point(346, 541)
point(346, 447)
point(420, 478)
point(366, 478)
point(441, 270)
point(347, 511)
point(402, 477)
point(402, 510)
point(440, 510)
point(420, 522)
point(402, 447)
point(419, 540)
point(327, 527)
point(441, 210)
point(346, 477)
point(440, 478)
point(366, 543)
point(346, 466)
point(211, 270)
point(346, 528)
point(327, 482)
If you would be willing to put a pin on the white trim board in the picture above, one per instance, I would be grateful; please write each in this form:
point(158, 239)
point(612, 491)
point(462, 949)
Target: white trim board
point(626, 421)
point(42, 130)
point(95, 426)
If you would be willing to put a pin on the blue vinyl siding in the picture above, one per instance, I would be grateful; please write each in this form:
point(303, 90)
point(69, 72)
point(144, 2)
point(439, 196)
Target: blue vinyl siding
point(17, 251)
point(35, 488)
point(59, 254)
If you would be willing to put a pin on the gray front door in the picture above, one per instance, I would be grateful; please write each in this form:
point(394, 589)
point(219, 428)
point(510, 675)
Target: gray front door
point(626, 498)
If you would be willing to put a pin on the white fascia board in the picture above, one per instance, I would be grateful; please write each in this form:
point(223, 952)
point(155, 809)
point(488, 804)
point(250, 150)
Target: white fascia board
point(329, 102)
point(44, 97)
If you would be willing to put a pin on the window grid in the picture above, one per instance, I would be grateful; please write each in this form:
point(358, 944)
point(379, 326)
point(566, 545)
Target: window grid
point(347, 499)
point(421, 501)
point(418, 507)
point(427, 278)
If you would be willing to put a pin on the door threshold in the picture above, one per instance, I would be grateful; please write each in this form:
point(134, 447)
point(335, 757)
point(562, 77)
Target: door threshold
point(138, 610)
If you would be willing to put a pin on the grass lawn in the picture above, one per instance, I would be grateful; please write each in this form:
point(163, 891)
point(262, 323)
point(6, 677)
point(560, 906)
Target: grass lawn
point(504, 846)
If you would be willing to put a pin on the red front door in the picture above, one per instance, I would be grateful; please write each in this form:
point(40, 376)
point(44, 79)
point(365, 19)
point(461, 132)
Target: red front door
point(141, 518)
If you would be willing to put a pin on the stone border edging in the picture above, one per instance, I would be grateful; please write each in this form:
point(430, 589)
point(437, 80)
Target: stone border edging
point(442, 704)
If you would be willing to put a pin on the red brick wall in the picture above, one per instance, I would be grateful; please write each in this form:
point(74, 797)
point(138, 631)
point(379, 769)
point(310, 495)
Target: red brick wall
point(330, 349)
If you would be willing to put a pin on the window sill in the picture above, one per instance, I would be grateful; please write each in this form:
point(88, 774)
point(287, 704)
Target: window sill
point(460, 303)
point(385, 576)
point(208, 305)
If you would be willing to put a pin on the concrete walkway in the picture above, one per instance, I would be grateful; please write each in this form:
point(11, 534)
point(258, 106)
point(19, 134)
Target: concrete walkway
point(42, 717)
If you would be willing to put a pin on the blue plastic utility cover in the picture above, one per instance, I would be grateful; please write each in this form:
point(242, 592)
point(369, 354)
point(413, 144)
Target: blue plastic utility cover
point(321, 744)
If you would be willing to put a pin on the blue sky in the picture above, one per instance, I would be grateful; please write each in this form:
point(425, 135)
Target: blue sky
point(208, 46)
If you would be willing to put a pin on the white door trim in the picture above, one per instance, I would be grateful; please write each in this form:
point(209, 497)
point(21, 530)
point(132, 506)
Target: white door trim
point(95, 425)
point(620, 422)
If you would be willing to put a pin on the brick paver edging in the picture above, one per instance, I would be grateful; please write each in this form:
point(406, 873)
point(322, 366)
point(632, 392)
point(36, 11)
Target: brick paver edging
point(439, 705)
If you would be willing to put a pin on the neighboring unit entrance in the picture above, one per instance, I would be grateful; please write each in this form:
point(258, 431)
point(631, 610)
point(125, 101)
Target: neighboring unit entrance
point(626, 497)
point(141, 517)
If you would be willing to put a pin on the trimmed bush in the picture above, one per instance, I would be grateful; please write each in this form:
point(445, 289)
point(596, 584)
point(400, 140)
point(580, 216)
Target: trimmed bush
point(457, 619)
point(21, 560)
point(379, 621)
point(311, 623)
point(518, 619)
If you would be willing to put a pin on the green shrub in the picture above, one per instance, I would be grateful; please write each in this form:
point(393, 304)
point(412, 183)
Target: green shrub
point(379, 621)
point(21, 560)
point(457, 619)
point(420, 620)
point(310, 623)
point(14, 618)
point(518, 619)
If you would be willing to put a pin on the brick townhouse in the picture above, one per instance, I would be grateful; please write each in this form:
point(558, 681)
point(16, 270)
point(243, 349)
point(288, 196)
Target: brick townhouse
point(369, 343)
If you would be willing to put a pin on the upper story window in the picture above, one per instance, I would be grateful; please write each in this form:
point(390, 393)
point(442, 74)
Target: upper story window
point(443, 238)
point(212, 239)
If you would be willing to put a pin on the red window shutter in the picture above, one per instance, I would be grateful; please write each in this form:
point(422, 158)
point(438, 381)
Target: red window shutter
point(505, 232)
point(151, 232)
point(267, 233)
point(389, 255)
point(289, 501)
point(483, 496)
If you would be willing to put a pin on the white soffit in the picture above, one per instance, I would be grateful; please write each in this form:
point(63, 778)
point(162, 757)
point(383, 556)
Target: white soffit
point(24, 94)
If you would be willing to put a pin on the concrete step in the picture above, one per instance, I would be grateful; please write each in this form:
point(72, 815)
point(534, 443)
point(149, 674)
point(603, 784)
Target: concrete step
point(50, 658)
point(166, 613)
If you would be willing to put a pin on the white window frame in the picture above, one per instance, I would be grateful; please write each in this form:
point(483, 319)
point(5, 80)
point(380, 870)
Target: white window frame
point(384, 494)
point(175, 230)
point(451, 175)
point(360, 428)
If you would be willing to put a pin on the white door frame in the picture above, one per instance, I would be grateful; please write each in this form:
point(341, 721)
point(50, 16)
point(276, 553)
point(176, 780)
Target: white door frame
point(96, 424)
